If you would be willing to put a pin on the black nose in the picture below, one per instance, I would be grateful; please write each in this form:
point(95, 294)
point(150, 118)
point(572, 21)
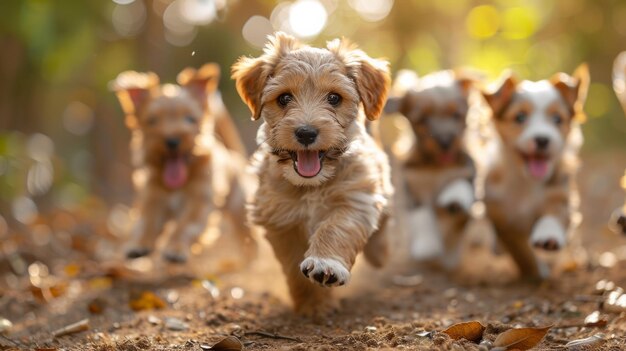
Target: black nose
point(445, 142)
point(542, 142)
point(172, 143)
point(306, 135)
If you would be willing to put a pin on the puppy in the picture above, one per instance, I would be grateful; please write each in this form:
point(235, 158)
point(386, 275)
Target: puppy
point(324, 184)
point(530, 192)
point(437, 172)
point(181, 171)
point(618, 220)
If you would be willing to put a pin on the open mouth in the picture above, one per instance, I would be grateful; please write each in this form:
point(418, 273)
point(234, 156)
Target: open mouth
point(537, 164)
point(307, 163)
point(175, 171)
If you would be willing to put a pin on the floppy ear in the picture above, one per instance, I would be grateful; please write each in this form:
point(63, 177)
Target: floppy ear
point(371, 76)
point(250, 74)
point(501, 96)
point(133, 89)
point(619, 78)
point(200, 82)
point(573, 88)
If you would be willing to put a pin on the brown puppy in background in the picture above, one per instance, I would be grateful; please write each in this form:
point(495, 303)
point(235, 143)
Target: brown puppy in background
point(618, 220)
point(324, 184)
point(182, 170)
point(530, 190)
point(437, 172)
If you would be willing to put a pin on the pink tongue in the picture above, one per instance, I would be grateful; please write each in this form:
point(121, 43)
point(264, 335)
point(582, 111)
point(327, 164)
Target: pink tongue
point(537, 167)
point(175, 172)
point(308, 163)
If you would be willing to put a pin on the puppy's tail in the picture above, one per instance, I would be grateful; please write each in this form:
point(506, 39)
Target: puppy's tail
point(225, 129)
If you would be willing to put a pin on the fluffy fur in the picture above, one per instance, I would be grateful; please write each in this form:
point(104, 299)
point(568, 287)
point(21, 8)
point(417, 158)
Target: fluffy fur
point(182, 169)
point(618, 220)
point(317, 223)
point(530, 190)
point(437, 172)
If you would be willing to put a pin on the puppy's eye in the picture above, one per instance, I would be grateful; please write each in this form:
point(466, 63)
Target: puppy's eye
point(457, 115)
point(333, 99)
point(152, 120)
point(521, 117)
point(190, 119)
point(285, 99)
point(557, 119)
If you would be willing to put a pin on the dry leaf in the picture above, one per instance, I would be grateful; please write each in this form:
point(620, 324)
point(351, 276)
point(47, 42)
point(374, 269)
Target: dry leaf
point(472, 331)
point(147, 300)
point(97, 305)
point(229, 343)
point(521, 339)
point(593, 341)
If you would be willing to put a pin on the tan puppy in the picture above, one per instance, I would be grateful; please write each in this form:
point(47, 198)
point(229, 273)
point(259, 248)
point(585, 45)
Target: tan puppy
point(324, 186)
point(618, 220)
point(437, 172)
point(182, 172)
point(530, 192)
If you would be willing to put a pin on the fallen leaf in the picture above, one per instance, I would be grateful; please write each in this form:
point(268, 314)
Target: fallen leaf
point(594, 319)
point(583, 344)
point(97, 305)
point(229, 343)
point(472, 331)
point(146, 300)
point(72, 328)
point(521, 339)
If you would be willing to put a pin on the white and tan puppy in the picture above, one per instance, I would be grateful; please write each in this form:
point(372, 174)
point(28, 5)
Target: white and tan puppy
point(530, 192)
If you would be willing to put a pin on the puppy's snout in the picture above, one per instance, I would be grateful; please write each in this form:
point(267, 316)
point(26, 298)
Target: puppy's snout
point(542, 142)
point(306, 135)
point(172, 143)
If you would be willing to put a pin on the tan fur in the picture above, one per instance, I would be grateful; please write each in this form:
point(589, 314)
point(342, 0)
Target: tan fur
point(214, 179)
point(619, 86)
point(436, 106)
point(514, 202)
point(338, 213)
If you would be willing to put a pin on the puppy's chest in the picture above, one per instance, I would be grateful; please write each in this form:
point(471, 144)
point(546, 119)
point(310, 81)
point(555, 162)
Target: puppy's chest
point(516, 199)
point(423, 185)
point(283, 210)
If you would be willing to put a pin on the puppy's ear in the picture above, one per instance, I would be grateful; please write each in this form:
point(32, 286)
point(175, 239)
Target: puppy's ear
point(573, 88)
point(200, 82)
point(250, 74)
point(405, 81)
point(500, 97)
point(467, 79)
point(619, 78)
point(133, 90)
point(370, 75)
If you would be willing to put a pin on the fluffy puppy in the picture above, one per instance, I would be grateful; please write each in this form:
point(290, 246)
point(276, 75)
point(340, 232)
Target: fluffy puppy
point(618, 220)
point(437, 172)
point(530, 190)
point(182, 172)
point(324, 184)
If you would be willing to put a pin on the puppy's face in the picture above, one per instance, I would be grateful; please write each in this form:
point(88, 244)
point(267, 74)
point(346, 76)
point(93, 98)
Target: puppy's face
point(534, 118)
point(437, 106)
point(309, 99)
point(170, 117)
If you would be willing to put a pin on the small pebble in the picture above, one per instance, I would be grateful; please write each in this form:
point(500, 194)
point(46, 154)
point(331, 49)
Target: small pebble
point(370, 329)
point(175, 324)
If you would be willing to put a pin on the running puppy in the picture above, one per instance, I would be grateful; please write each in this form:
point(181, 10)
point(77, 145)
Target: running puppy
point(181, 170)
point(530, 190)
point(618, 220)
point(324, 184)
point(438, 173)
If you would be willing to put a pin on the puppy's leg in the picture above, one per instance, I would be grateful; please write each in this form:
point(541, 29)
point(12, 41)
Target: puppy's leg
point(152, 218)
point(308, 299)
point(457, 196)
point(426, 239)
point(618, 220)
point(453, 213)
point(191, 222)
point(522, 253)
point(550, 230)
point(376, 250)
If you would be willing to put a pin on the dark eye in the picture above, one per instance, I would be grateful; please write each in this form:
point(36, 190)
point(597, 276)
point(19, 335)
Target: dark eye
point(520, 117)
point(557, 119)
point(284, 99)
point(333, 99)
point(457, 115)
point(152, 120)
point(190, 119)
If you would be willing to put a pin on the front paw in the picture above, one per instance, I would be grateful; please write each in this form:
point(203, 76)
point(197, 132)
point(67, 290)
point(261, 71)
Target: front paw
point(618, 221)
point(175, 256)
point(548, 234)
point(325, 271)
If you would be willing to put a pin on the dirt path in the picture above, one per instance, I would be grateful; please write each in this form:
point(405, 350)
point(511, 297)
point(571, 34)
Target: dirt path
point(388, 309)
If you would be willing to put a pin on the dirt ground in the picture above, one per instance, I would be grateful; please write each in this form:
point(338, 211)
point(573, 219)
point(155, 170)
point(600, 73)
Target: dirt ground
point(147, 305)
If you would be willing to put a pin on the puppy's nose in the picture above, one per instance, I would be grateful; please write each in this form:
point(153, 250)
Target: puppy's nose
point(306, 135)
point(172, 143)
point(542, 142)
point(445, 142)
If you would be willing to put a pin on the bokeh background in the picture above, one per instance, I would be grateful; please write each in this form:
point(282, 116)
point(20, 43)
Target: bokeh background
point(63, 144)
